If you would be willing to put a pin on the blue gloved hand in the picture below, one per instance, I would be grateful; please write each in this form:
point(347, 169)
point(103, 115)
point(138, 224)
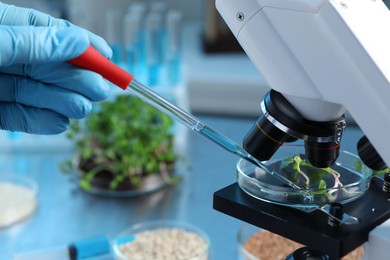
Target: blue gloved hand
point(39, 90)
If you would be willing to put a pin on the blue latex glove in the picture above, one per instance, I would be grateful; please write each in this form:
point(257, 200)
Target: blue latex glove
point(39, 90)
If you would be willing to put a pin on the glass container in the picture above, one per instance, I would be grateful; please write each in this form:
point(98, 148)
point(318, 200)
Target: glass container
point(18, 198)
point(162, 239)
point(346, 180)
point(255, 243)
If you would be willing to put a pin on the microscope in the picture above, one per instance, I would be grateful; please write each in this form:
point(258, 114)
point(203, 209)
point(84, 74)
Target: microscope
point(321, 58)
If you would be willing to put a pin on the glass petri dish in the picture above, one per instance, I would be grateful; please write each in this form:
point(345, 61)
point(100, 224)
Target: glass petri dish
point(244, 234)
point(162, 239)
point(255, 244)
point(258, 244)
point(323, 187)
point(18, 198)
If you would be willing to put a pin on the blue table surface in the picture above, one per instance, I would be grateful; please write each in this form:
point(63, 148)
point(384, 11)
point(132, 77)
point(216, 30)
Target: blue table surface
point(66, 214)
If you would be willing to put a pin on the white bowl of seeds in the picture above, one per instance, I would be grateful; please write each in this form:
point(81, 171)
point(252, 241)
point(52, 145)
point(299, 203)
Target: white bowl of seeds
point(163, 239)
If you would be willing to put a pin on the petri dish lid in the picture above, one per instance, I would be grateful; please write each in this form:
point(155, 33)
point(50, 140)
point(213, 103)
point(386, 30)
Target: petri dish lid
point(345, 181)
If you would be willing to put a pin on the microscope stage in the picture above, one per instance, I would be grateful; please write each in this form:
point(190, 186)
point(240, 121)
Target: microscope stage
point(311, 229)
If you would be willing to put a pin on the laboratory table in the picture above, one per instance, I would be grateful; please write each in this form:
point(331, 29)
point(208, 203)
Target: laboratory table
point(66, 214)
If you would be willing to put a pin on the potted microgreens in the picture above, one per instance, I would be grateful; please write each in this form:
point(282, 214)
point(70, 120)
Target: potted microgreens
point(124, 147)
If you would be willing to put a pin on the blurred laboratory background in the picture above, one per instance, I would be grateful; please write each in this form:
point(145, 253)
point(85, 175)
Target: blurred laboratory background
point(182, 50)
point(219, 78)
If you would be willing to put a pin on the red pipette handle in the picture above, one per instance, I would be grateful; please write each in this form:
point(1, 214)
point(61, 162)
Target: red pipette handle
point(93, 60)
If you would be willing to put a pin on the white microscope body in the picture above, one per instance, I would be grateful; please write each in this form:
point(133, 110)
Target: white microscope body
point(325, 57)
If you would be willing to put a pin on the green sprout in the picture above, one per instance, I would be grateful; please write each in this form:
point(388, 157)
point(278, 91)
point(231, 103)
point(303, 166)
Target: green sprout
point(297, 167)
point(126, 138)
point(384, 171)
point(359, 166)
point(313, 176)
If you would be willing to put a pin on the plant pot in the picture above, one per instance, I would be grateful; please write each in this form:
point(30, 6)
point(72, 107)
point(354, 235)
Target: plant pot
point(100, 183)
point(126, 146)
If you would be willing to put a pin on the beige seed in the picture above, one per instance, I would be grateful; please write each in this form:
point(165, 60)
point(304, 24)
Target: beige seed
point(165, 244)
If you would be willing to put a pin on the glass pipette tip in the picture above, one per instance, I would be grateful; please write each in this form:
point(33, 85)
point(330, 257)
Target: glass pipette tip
point(197, 126)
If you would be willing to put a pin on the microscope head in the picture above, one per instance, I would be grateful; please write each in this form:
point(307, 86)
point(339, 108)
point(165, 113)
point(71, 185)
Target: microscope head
point(280, 122)
point(325, 58)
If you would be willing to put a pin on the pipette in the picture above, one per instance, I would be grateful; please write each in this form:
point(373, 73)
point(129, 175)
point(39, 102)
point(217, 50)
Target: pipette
point(92, 60)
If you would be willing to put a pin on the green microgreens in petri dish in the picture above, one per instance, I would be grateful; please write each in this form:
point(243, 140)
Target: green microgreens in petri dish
point(314, 178)
point(344, 181)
